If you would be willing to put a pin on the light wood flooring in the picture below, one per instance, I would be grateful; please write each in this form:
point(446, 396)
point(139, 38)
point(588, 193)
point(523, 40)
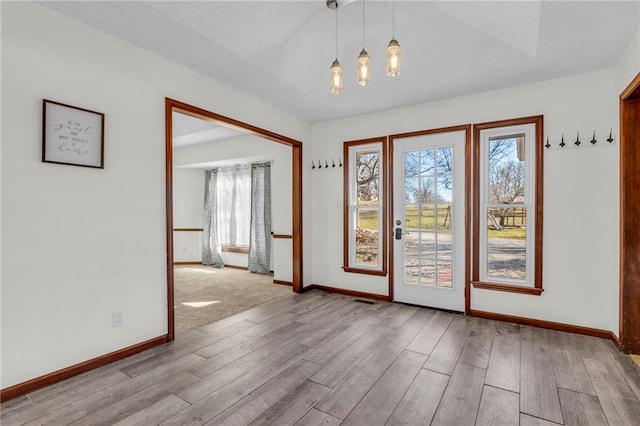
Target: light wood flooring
point(326, 359)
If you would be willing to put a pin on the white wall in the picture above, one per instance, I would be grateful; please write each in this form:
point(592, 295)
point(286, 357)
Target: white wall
point(629, 64)
point(257, 149)
point(581, 194)
point(188, 202)
point(80, 243)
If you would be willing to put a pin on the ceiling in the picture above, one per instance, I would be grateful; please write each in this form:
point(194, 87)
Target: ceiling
point(188, 130)
point(280, 51)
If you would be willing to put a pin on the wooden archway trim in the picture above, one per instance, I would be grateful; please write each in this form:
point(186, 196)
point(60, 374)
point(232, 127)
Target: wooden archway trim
point(629, 222)
point(172, 105)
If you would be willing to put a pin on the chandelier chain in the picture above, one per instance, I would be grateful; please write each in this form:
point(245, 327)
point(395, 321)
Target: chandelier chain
point(362, 24)
point(336, 32)
point(393, 14)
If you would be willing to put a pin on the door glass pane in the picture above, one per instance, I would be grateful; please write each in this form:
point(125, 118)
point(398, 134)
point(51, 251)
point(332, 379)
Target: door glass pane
point(367, 237)
point(411, 270)
point(427, 217)
point(443, 161)
point(427, 162)
point(428, 272)
point(412, 164)
point(443, 188)
point(427, 190)
point(444, 274)
point(506, 243)
point(428, 245)
point(411, 190)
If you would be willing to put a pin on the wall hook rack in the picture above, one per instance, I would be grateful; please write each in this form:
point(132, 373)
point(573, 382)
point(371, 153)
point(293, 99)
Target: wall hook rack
point(318, 164)
point(579, 142)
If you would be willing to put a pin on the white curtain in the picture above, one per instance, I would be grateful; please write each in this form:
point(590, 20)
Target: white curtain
point(260, 246)
point(234, 205)
point(210, 242)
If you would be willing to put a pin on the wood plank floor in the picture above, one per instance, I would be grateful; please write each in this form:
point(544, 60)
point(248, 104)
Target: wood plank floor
point(328, 359)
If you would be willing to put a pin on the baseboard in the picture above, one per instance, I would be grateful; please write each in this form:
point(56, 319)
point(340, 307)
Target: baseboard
point(57, 376)
point(348, 292)
point(587, 331)
point(283, 282)
point(187, 263)
point(236, 267)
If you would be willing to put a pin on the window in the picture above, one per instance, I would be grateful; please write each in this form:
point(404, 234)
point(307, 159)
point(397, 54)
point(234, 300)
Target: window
point(507, 200)
point(365, 215)
point(234, 207)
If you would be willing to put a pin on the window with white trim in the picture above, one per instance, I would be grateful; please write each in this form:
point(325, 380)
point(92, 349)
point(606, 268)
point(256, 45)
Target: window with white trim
point(365, 213)
point(508, 205)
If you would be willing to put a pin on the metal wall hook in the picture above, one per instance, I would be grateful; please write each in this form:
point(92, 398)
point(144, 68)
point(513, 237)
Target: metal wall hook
point(313, 165)
point(593, 140)
point(577, 142)
point(339, 162)
point(610, 138)
point(547, 145)
point(333, 163)
point(562, 144)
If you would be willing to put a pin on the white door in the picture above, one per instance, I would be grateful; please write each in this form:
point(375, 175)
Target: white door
point(428, 220)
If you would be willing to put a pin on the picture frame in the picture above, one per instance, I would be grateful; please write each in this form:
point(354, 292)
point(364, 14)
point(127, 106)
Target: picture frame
point(72, 135)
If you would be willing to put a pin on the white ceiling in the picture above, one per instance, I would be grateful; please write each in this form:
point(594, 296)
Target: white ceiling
point(281, 51)
point(188, 130)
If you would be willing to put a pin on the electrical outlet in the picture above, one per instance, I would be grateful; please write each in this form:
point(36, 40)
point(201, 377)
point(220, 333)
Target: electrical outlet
point(117, 319)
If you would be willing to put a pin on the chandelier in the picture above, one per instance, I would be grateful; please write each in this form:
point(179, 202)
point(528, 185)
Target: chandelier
point(363, 62)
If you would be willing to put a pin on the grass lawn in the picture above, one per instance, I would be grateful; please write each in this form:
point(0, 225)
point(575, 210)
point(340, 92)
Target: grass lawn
point(369, 220)
point(512, 233)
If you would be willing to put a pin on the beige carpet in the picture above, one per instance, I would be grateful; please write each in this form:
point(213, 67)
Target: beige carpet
point(203, 294)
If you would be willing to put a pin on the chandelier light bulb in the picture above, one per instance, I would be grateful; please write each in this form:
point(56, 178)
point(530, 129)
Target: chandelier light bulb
point(393, 58)
point(363, 68)
point(336, 77)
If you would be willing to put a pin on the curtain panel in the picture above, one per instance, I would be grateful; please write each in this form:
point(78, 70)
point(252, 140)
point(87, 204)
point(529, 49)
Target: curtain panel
point(234, 205)
point(210, 243)
point(260, 233)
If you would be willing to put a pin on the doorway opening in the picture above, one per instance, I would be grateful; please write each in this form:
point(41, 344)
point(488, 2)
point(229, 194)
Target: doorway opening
point(629, 220)
point(185, 237)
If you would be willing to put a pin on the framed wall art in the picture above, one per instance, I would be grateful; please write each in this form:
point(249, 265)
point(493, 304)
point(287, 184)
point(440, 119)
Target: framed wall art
point(72, 135)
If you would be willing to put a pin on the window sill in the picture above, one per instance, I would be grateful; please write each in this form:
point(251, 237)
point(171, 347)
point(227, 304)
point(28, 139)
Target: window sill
point(508, 288)
point(231, 249)
point(364, 271)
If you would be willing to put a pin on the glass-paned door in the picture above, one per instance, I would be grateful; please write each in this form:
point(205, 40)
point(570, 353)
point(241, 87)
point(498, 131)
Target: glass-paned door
point(428, 219)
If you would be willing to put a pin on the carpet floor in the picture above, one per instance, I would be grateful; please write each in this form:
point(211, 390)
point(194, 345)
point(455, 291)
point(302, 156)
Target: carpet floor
point(203, 294)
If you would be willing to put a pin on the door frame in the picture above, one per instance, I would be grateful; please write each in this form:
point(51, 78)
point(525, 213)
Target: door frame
point(172, 105)
point(629, 333)
point(467, 204)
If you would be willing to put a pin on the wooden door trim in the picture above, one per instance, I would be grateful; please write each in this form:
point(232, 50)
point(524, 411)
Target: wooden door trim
point(172, 105)
point(467, 128)
point(629, 339)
